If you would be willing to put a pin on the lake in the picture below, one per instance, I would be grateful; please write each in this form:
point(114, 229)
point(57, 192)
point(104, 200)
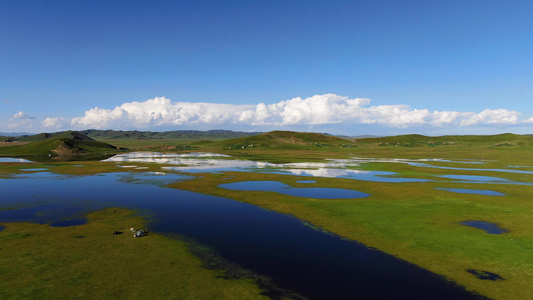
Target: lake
point(296, 257)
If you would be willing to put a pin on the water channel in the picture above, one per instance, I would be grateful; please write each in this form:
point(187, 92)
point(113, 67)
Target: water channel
point(296, 257)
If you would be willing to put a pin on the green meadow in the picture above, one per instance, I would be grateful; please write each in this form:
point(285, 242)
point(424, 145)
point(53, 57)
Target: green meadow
point(88, 262)
point(413, 221)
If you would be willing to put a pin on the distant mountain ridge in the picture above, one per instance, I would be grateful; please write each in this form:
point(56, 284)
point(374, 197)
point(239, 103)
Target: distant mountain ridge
point(264, 138)
point(175, 134)
point(94, 134)
point(14, 134)
point(75, 135)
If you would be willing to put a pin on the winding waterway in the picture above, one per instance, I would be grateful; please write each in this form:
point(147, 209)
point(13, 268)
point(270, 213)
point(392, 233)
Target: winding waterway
point(296, 257)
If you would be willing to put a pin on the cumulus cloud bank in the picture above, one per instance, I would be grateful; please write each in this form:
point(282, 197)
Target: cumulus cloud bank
point(318, 109)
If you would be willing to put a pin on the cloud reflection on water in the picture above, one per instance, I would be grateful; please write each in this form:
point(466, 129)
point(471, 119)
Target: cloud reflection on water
point(210, 162)
point(331, 168)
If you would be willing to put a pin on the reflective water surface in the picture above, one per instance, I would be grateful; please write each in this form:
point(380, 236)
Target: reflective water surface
point(209, 162)
point(471, 191)
point(308, 192)
point(13, 159)
point(331, 168)
point(489, 227)
point(313, 263)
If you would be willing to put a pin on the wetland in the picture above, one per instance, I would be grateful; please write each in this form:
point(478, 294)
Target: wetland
point(389, 228)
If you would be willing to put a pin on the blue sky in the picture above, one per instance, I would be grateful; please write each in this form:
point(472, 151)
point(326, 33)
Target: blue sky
point(342, 67)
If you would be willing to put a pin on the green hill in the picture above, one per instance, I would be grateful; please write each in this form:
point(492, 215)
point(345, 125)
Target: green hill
point(506, 139)
point(57, 146)
point(168, 135)
point(75, 135)
point(101, 135)
point(284, 140)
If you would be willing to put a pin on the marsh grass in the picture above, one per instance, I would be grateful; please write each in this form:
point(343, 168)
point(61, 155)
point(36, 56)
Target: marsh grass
point(415, 222)
point(88, 261)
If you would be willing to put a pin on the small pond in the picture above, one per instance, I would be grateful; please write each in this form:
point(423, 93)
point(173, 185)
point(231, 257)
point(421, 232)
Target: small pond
point(308, 192)
point(469, 169)
point(477, 178)
point(295, 256)
point(471, 191)
point(489, 227)
point(13, 159)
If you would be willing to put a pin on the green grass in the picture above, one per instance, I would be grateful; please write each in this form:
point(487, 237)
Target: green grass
point(415, 222)
point(412, 221)
point(64, 134)
point(55, 146)
point(87, 261)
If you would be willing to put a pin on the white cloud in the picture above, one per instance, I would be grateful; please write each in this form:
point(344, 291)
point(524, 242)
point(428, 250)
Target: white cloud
point(52, 123)
point(21, 121)
point(157, 112)
point(22, 115)
point(315, 110)
point(489, 116)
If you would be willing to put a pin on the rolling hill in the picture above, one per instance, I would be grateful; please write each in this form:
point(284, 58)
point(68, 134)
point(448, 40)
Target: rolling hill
point(168, 135)
point(420, 140)
point(102, 135)
point(75, 135)
point(58, 146)
point(284, 140)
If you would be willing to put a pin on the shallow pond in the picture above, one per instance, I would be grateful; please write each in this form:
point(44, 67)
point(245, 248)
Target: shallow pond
point(469, 169)
point(13, 159)
point(297, 257)
point(477, 178)
point(308, 192)
point(471, 191)
point(489, 227)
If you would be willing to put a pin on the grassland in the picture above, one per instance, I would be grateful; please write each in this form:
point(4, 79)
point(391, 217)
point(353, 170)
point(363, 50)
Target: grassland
point(89, 262)
point(58, 146)
point(413, 221)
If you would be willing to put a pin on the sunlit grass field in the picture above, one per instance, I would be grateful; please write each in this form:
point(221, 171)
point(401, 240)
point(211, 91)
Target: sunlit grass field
point(413, 221)
point(89, 262)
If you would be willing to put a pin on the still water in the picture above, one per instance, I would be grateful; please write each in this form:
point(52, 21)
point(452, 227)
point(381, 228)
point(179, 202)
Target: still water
point(331, 168)
point(472, 191)
point(313, 263)
point(278, 187)
point(490, 228)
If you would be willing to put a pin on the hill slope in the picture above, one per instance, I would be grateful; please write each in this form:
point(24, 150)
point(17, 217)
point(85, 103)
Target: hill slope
point(169, 135)
point(58, 146)
point(75, 135)
point(286, 140)
point(100, 135)
point(418, 140)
